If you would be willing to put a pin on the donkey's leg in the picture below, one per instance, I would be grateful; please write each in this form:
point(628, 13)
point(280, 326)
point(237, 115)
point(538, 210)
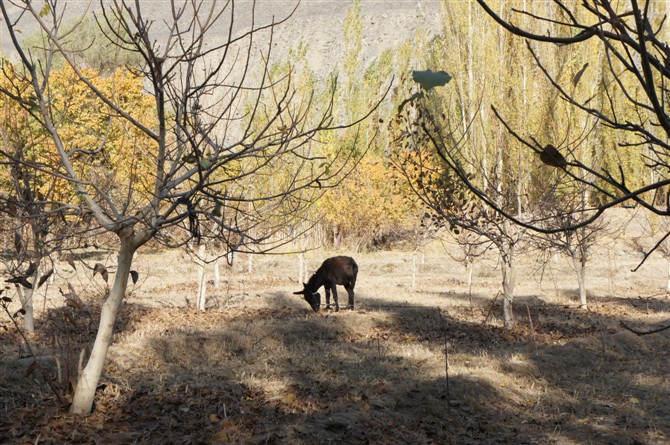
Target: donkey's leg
point(350, 290)
point(327, 296)
point(337, 304)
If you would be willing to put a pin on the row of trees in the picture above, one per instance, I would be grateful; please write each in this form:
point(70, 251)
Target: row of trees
point(184, 136)
point(482, 154)
point(176, 140)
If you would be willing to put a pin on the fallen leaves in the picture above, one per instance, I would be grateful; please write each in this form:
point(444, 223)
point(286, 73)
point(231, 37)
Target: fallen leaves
point(259, 375)
point(100, 268)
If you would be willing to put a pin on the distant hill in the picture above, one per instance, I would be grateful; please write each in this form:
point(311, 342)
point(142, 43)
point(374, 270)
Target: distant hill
point(319, 23)
point(386, 24)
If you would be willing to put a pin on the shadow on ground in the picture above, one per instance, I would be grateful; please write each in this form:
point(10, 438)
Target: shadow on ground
point(283, 374)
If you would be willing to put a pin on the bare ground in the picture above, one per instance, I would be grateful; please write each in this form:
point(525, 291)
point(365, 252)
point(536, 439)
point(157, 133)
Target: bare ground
point(260, 367)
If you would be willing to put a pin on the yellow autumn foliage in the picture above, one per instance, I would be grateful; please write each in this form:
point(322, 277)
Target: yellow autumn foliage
point(106, 152)
point(370, 204)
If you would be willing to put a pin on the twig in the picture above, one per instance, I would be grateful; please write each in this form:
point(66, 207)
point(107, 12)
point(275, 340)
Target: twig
point(381, 306)
point(490, 309)
point(532, 329)
point(446, 355)
point(647, 254)
point(262, 338)
point(638, 332)
point(379, 347)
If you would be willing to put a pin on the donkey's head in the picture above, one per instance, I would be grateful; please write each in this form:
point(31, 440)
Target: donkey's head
point(312, 298)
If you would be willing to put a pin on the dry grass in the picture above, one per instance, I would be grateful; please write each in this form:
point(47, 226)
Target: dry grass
point(260, 367)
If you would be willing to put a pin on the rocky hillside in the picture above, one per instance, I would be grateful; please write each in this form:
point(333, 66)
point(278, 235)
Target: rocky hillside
point(319, 23)
point(385, 24)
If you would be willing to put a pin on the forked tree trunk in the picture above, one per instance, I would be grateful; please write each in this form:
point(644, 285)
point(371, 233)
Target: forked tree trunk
point(90, 376)
point(509, 281)
point(26, 295)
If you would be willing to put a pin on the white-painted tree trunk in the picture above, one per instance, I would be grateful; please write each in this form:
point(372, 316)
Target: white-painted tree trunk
point(55, 268)
point(90, 376)
point(26, 298)
point(301, 268)
point(580, 269)
point(469, 268)
point(424, 242)
point(202, 277)
point(217, 273)
point(250, 263)
point(509, 281)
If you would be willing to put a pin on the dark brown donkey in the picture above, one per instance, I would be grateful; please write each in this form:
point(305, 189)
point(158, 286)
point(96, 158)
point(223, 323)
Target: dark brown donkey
point(340, 270)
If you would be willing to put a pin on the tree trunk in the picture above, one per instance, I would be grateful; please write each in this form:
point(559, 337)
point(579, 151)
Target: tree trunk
point(424, 242)
point(337, 237)
point(414, 266)
point(580, 269)
point(509, 281)
point(582, 287)
point(250, 263)
point(217, 272)
point(301, 268)
point(202, 277)
point(26, 297)
point(469, 269)
point(90, 376)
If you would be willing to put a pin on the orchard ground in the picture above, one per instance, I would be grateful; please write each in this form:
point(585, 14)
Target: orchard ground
point(260, 367)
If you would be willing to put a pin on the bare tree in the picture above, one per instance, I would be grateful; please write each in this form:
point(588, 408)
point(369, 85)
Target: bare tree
point(423, 153)
point(211, 148)
point(472, 246)
point(425, 228)
point(653, 227)
point(30, 216)
point(565, 210)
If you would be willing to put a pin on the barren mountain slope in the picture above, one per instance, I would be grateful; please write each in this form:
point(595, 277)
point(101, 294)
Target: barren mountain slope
point(319, 23)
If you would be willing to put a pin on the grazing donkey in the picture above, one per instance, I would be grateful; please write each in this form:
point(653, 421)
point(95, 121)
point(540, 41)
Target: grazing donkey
point(340, 270)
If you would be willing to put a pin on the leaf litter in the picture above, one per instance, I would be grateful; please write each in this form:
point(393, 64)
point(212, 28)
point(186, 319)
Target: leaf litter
point(266, 370)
